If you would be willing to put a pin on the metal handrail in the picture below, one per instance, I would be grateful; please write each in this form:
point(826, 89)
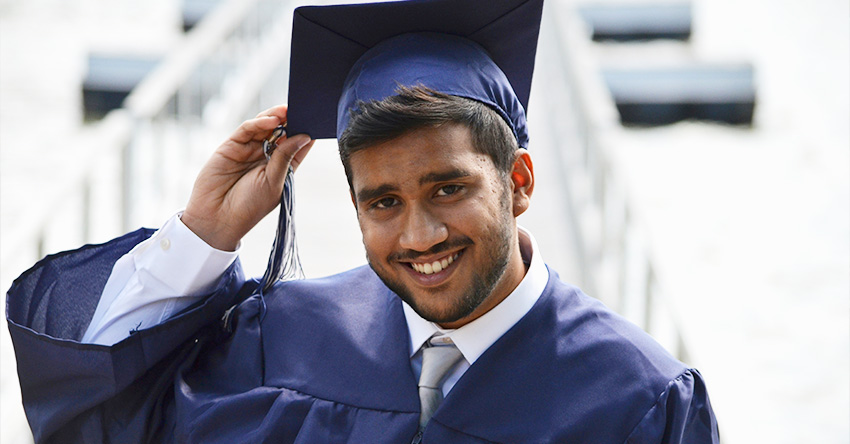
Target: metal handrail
point(240, 26)
point(158, 88)
point(618, 263)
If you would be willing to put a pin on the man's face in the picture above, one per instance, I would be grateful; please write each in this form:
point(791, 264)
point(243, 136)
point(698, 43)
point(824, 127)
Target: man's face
point(438, 223)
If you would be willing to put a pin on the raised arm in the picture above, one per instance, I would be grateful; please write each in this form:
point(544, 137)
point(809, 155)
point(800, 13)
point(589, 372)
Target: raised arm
point(79, 392)
point(177, 266)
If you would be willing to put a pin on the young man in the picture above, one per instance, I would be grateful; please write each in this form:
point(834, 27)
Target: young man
point(456, 332)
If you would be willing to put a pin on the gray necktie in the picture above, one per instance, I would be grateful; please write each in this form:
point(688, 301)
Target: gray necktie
point(436, 363)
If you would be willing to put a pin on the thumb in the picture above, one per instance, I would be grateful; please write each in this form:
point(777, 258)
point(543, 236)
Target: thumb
point(283, 155)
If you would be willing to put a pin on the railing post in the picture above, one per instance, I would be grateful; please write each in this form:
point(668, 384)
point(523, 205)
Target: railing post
point(86, 191)
point(649, 298)
point(128, 182)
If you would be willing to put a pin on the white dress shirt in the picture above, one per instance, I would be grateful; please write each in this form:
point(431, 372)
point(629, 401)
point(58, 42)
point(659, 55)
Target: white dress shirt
point(174, 268)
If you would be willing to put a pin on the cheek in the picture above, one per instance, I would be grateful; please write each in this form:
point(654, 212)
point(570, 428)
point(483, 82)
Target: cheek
point(479, 212)
point(377, 238)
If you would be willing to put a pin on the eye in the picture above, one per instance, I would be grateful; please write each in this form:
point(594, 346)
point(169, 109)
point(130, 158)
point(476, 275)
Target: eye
point(384, 203)
point(448, 190)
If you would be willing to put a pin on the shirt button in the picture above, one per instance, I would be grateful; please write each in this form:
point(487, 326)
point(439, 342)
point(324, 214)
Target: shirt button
point(165, 244)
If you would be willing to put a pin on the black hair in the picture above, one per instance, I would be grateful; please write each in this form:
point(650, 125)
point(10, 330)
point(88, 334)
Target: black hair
point(418, 107)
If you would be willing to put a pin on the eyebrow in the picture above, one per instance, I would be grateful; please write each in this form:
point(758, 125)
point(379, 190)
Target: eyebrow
point(444, 176)
point(368, 194)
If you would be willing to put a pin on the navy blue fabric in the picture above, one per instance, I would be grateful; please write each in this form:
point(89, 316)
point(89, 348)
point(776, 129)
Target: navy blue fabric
point(449, 64)
point(327, 41)
point(75, 392)
point(327, 361)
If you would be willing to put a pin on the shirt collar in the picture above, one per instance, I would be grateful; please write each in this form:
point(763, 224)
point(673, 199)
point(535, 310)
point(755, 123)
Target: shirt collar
point(474, 338)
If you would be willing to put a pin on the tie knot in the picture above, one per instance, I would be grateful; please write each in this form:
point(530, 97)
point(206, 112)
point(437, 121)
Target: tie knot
point(437, 360)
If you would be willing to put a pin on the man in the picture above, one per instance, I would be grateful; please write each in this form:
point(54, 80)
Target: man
point(456, 332)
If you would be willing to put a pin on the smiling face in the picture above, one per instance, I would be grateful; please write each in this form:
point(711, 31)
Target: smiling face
point(438, 222)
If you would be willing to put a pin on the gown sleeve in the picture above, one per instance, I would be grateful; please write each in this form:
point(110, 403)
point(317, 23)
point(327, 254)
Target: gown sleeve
point(682, 414)
point(75, 392)
point(158, 278)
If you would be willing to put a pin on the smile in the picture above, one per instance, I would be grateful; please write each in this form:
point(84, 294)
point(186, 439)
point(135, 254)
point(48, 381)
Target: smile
point(436, 266)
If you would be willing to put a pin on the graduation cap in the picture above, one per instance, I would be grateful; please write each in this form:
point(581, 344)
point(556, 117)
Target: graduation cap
point(343, 54)
point(479, 49)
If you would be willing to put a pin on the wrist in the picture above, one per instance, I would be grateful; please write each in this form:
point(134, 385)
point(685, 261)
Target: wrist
point(209, 232)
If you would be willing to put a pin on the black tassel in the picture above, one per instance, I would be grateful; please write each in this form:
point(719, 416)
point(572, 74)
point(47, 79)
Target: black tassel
point(284, 263)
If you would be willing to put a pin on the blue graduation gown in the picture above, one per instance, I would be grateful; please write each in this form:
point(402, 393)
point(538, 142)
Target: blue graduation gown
point(327, 361)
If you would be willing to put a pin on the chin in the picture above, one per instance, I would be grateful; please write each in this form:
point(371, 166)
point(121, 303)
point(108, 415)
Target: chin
point(443, 314)
point(444, 309)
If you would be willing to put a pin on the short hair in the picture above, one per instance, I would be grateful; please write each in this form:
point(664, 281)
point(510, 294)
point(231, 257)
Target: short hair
point(418, 107)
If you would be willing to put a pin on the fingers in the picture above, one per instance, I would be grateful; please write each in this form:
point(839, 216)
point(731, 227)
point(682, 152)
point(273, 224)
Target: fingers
point(255, 129)
point(259, 127)
point(279, 111)
point(300, 155)
point(291, 150)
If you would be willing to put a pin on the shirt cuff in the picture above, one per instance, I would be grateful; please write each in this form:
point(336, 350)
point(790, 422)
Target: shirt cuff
point(181, 260)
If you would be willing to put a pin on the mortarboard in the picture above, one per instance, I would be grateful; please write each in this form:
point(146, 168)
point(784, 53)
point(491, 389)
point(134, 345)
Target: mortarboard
point(342, 54)
point(489, 42)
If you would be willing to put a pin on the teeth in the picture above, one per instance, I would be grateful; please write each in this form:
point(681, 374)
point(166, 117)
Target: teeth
point(434, 267)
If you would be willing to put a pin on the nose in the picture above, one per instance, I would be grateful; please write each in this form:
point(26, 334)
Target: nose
point(422, 230)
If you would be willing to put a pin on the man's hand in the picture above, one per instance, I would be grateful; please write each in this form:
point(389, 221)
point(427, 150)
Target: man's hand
point(237, 187)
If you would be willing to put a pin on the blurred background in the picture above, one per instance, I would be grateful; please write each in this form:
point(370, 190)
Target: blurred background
point(693, 160)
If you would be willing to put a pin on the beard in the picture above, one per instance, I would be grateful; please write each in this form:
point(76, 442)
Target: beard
point(495, 245)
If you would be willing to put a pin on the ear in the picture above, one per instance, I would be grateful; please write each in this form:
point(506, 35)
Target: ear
point(522, 181)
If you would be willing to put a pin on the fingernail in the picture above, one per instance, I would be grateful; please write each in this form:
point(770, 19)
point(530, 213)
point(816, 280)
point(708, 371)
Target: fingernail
point(303, 139)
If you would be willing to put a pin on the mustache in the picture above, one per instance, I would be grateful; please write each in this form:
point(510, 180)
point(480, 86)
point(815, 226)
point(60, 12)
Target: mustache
point(446, 245)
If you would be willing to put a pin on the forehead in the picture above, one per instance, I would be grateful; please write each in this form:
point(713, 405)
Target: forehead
point(416, 154)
